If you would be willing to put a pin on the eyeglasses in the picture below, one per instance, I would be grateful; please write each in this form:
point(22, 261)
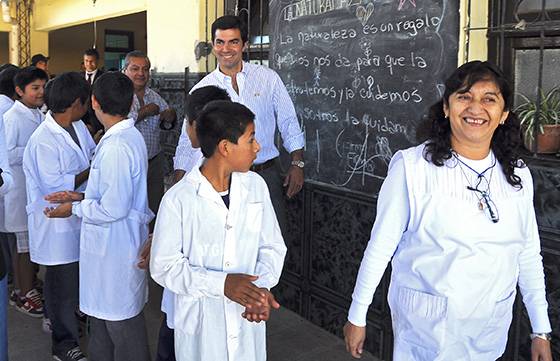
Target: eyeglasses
point(485, 202)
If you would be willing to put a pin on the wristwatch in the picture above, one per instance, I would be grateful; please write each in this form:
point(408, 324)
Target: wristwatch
point(544, 336)
point(298, 163)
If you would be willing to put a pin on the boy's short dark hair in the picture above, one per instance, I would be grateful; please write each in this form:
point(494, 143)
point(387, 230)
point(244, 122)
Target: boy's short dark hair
point(202, 96)
point(63, 90)
point(28, 75)
point(230, 22)
point(114, 92)
point(37, 58)
point(221, 120)
point(92, 52)
point(7, 74)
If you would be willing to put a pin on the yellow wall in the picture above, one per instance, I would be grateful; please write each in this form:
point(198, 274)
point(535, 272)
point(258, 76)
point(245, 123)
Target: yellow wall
point(173, 35)
point(66, 46)
point(473, 45)
point(56, 14)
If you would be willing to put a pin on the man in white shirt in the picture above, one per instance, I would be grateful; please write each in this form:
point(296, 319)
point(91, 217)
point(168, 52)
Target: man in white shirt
point(57, 158)
point(261, 90)
point(20, 122)
point(150, 113)
point(115, 217)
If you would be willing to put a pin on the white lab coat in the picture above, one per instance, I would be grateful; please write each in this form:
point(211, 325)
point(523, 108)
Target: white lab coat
point(51, 161)
point(20, 122)
point(454, 272)
point(197, 242)
point(5, 104)
point(115, 217)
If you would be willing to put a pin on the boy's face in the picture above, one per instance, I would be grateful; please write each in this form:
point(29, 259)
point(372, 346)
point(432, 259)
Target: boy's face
point(32, 94)
point(191, 132)
point(244, 153)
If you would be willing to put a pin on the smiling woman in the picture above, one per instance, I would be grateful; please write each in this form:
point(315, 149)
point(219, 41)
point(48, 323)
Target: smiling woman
point(454, 274)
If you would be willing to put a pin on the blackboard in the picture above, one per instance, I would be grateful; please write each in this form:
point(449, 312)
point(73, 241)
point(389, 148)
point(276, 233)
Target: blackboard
point(362, 75)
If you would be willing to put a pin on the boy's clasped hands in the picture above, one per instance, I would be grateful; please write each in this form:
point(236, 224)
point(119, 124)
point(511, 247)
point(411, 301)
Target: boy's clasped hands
point(257, 301)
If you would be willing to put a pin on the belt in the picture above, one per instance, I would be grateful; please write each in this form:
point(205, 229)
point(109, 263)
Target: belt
point(260, 167)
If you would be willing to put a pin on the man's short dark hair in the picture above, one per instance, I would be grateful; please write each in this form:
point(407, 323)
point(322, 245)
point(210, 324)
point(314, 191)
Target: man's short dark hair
point(37, 58)
point(202, 96)
point(230, 22)
point(221, 120)
point(92, 52)
point(114, 91)
point(63, 90)
point(28, 75)
point(7, 74)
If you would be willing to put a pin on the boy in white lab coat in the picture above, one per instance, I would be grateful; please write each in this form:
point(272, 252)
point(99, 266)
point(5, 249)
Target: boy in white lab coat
point(187, 156)
point(217, 244)
point(20, 122)
point(57, 158)
point(115, 217)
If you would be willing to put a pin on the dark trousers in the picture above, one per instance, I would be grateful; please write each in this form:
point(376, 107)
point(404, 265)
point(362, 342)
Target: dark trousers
point(166, 342)
point(61, 297)
point(124, 340)
point(156, 170)
point(275, 181)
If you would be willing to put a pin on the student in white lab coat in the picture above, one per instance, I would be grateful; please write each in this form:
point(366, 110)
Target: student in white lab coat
point(217, 244)
point(57, 158)
point(187, 156)
point(456, 215)
point(20, 122)
point(6, 183)
point(115, 217)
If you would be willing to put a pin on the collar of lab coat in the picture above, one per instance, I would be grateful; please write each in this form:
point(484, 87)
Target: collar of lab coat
point(238, 191)
point(6, 102)
point(57, 129)
point(30, 113)
point(117, 128)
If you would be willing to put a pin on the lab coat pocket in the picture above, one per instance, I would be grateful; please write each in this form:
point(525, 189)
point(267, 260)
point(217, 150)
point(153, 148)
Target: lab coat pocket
point(95, 238)
point(188, 314)
point(420, 322)
point(493, 336)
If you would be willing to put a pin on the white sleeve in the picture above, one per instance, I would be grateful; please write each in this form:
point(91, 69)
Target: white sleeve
point(4, 162)
point(393, 212)
point(185, 155)
point(531, 274)
point(272, 249)
point(15, 152)
point(169, 266)
point(286, 117)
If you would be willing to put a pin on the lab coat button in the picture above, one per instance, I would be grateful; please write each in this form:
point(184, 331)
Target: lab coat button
point(228, 227)
point(228, 264)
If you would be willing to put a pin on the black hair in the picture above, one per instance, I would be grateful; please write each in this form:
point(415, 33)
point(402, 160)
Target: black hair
point(92, 52)
point(230, 22)
point(219, 120)
point(63, 90)
point(202, 96)
point(506, 140)
point(7, 74)
point(114, 92)
point(28, 75)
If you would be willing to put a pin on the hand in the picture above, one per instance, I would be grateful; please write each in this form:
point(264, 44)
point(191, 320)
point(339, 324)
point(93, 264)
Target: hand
point(144, 258)
point(540, 350)
point(63, 210)
point(178, 175)
point(240, 288)
point(258, 314)
point(149, 109)
point(97, 136)
point(64, 196)
point(168, 115)
point(354, 337)
point(294, 181)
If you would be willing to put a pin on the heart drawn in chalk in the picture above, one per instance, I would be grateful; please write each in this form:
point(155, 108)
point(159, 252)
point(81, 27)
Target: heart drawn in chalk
point(363, 13)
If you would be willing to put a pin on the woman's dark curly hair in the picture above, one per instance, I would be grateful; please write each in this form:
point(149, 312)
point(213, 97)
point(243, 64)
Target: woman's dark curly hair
point(506, 140)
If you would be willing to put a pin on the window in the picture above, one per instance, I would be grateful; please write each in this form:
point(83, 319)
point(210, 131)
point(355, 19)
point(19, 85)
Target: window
point(117, 44)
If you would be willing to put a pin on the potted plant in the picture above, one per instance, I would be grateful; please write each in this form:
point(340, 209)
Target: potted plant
point(548, 135)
